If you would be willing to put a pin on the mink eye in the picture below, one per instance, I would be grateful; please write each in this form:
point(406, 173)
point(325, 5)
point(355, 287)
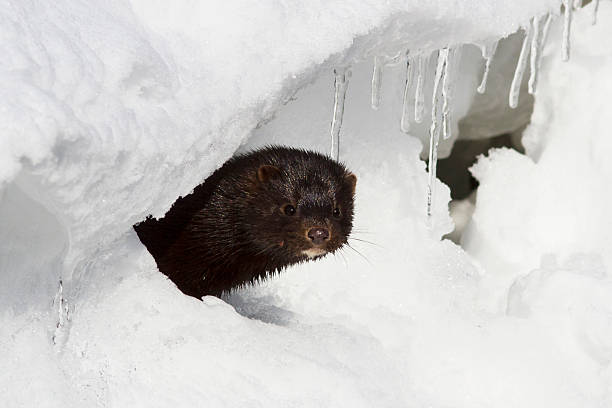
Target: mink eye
point(289, 209)
point(336, 212)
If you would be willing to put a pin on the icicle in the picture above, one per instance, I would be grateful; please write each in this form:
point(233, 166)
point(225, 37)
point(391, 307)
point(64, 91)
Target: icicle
point(515, 88)
point(567, 25)
point(62, 315)
point(342, 76)
point(595, 8)
point(488, 51)
point(377, 80)
point(380, 61)
point(549, 18)
point(434, 130)
point(537, 48)
point(405, 122)
point(535, 54)
point(578, 4)
point(419, 98)
point(446, 94)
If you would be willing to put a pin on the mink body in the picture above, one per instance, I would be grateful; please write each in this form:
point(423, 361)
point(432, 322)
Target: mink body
point(257, 214)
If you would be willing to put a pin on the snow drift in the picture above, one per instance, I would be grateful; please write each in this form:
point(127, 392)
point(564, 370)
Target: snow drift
point(110, 111)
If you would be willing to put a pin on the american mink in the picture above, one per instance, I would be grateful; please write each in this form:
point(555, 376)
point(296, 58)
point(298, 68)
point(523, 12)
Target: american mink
point(257, 214)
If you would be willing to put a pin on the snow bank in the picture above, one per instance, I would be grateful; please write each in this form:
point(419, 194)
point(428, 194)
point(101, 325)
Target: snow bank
point(117, 108)
point(113, 110)
point(565, 175)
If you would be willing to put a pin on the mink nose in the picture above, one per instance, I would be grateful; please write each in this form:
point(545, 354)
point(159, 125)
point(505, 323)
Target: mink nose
point(318, 235)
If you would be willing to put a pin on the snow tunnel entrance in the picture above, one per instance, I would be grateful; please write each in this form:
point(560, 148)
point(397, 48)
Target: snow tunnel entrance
point(454, 170)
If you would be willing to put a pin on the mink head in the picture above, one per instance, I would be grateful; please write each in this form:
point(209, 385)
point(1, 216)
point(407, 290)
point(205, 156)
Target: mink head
point(302, 209)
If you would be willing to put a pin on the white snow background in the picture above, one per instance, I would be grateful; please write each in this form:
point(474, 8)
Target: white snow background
point(111, 110)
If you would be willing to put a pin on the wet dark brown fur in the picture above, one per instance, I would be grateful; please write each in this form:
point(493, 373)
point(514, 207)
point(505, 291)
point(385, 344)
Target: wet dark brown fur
point(257, 214)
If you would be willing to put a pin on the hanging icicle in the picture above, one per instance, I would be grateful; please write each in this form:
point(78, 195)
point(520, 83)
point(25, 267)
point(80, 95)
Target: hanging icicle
point(488, 51)
point(595, 8)
point(537, 48)
point(380, 62)
point(419, 98)
point(535, 54)
point(63, 316)
point(341, 79)
point(434, 130)
point(515, 87)
point(549, 18)
point(405, 122)
point(377, 81)
point(567, 25)
point(447, 93)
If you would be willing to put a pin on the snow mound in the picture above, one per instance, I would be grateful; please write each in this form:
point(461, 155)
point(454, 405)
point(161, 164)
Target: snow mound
point(556, 200)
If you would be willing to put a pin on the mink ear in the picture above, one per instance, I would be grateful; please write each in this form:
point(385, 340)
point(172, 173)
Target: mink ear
point(351, 180)
point(266, 173)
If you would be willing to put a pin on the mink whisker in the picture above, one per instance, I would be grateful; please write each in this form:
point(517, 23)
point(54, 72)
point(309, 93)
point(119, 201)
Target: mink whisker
point(366, 241)
point(360, 254)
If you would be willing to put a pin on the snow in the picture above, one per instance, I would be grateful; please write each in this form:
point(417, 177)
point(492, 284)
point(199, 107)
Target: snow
point(567, 181)
point(112, 110)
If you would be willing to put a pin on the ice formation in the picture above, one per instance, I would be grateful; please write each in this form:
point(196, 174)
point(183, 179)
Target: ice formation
point(434, 130)
point(595, 8)
point(376, 81)
point(540, 34)
point(534, 55)
point(447, 84)
point(380, 61)
point(419, 97)
point(488, 52)
point(520, 69)
point(341, 80)
point(112, 110)
point(405, 120)
point(568, 6)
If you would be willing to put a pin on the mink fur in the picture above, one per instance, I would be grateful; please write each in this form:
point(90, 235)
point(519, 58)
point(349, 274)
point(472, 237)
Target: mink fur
point(257, 214)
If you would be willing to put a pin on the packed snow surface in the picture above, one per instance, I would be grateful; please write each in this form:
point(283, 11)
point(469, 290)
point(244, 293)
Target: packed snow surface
point(109, 111)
